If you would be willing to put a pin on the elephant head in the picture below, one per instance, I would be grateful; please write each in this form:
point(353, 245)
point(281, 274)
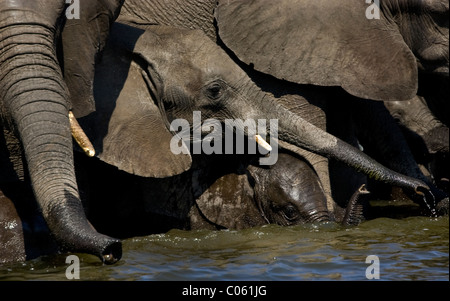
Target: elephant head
point(165, 73)
point(370, 51)
point(35, 97)
point(275, 188)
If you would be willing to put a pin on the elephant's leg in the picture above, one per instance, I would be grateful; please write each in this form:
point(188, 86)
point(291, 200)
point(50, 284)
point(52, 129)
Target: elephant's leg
point(385, 141)
point(426, 135)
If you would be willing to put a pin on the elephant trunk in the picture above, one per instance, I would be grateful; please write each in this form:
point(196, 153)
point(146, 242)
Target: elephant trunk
point(34, 94)
point(354, 213)
point(295, 130)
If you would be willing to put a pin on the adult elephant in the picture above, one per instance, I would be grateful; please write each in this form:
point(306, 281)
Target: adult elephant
point(231, 27)
point(39, 51)
point(327, 43)
point(154, 85)
point(193, 74)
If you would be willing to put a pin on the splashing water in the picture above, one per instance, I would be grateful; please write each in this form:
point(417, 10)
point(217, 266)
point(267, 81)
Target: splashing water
point(432, 206)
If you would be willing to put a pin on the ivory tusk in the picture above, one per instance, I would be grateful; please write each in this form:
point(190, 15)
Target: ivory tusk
point(80, 137)
point(263, 143)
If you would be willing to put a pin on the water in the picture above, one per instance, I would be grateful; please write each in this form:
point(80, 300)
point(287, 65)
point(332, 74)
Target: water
point(413, 248)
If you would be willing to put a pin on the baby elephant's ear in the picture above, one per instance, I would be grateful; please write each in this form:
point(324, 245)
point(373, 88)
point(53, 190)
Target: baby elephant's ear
point(127, 129)
point(229, 203)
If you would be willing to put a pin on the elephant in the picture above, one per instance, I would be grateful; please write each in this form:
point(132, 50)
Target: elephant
point(326, 43)
point(220, 21)
point(119, 131)
point(426, 134)
point(152, 71)
point(46, 69)
point(24, 234)
point(116, 130)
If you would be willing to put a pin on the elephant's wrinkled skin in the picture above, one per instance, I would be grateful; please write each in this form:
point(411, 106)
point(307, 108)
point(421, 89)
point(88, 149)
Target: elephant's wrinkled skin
point(403, 29)
point(330, 43)
point(322, 42)
point(127, 121)
point(35, 45)
point(122, 122)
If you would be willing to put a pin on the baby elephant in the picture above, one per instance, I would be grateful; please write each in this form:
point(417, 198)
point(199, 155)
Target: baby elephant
point(287, 193)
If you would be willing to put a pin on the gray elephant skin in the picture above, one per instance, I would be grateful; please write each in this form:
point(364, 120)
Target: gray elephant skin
point(216, 191)
point(340, 150)
point(323, 43)
point(305, 59)
point(35, 64)
point(120, 130)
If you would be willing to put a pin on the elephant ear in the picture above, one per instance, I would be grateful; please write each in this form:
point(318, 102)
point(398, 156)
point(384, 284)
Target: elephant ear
point(127, 129)
point(229, 203)
point(321, 42)
point(84, 36)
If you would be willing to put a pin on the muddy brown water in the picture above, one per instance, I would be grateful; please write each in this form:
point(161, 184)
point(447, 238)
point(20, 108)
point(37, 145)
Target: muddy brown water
point(412, 248)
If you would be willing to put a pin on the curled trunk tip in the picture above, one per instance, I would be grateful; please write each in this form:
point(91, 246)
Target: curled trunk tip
point(354, 213)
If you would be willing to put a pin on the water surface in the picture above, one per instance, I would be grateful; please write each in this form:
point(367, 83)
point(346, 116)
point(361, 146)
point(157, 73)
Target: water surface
point(413, 248)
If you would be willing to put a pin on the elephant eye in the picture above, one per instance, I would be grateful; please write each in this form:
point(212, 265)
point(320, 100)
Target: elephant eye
point(214, 91)
point(290, 213)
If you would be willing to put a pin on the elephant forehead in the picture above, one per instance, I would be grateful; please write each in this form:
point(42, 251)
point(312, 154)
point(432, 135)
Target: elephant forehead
point(198, 51)
point(187, 53)
point(304, 191)
point(213, 61)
